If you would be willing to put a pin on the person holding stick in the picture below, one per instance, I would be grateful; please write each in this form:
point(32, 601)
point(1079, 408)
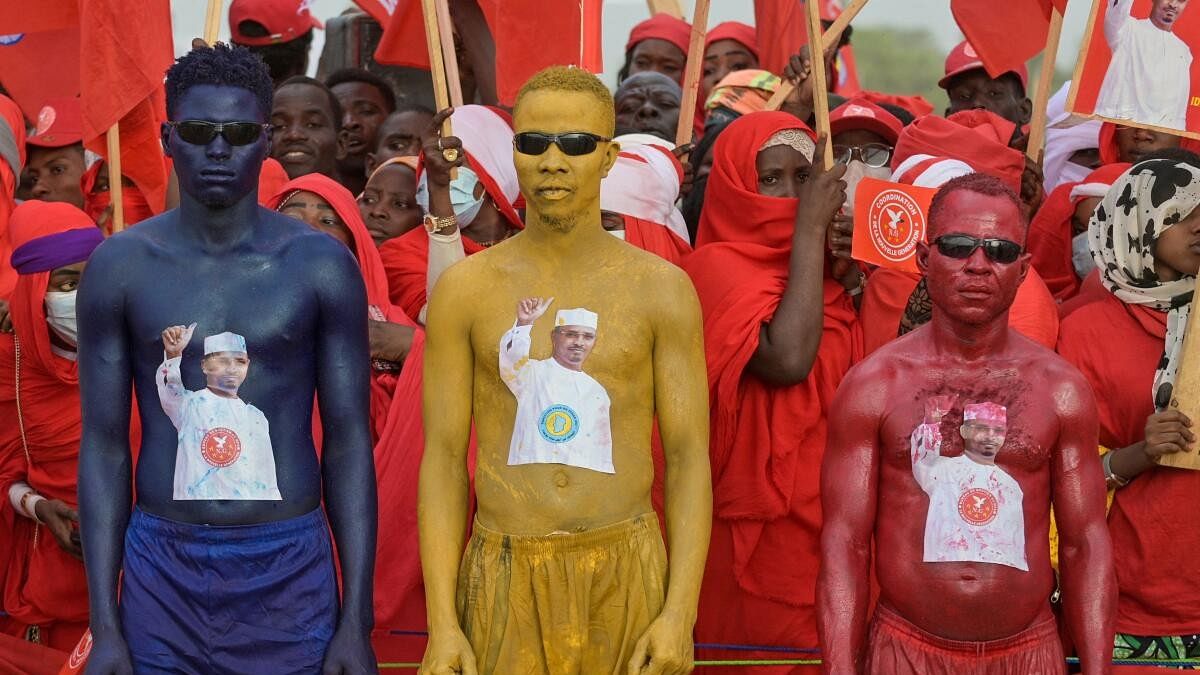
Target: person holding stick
point(565, 571)
point(230, 581)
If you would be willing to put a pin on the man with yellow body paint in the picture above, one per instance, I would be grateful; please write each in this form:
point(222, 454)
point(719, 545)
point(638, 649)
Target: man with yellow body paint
point(565, 571)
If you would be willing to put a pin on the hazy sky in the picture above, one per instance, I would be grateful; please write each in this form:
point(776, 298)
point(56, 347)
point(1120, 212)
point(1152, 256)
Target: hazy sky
point(621, 15)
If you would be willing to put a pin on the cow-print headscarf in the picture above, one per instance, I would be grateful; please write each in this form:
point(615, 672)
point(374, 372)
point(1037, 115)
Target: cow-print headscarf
point(1146, 200)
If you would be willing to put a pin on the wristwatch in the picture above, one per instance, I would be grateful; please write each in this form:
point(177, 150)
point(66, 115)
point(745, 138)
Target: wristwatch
point(435, 224)
point(1112, 480)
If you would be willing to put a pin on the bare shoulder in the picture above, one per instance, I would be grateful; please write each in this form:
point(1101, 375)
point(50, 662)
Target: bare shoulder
point(1067, 388)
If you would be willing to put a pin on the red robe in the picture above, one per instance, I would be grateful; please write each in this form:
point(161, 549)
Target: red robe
point(406, 261)
point(656, 239)
point(767, 442)
point(1152, 521)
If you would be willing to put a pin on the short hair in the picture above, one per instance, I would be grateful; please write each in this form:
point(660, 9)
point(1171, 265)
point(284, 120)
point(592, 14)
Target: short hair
point(365, 77)
point(335, 108)
point(220, 65)
point(979, 183)
point(574, 80)
point(413, 106)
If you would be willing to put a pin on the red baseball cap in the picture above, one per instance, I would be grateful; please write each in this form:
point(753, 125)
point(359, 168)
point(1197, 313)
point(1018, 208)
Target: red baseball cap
point(59, 123)
point(285, 20)
point(859, 113)
point(964, 57)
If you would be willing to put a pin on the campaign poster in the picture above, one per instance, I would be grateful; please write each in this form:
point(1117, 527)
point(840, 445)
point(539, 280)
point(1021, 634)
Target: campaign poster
point(889, 222)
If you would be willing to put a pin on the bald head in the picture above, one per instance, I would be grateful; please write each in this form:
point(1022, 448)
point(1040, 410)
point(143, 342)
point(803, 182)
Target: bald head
point(648, 102)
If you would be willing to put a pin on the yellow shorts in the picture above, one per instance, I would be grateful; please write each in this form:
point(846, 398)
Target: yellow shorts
point(562, 603)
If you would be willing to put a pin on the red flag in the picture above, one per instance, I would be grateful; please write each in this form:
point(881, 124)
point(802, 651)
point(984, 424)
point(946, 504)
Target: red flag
point(403, 42)
point(781, 33)
point(32, 17)
point(889, 222)
point(1005, 34)
point(129, 48)
point(41, 66)
point(380, 10)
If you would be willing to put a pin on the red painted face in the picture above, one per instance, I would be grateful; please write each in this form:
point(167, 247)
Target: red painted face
point(974, 290)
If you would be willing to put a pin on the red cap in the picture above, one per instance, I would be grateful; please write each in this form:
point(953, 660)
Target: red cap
point(736, 31)
point(964, 57)
point(59, 123)
point(285, 20)
point(662, 27)
point(859, 113)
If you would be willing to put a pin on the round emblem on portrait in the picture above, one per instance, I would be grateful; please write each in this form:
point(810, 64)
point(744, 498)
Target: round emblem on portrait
point(80, 653)
point(896, 224)
point(220, 447)
point(978, 506)
point(558, 424)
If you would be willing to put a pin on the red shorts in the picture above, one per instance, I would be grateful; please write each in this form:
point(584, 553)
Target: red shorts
point(896, 647)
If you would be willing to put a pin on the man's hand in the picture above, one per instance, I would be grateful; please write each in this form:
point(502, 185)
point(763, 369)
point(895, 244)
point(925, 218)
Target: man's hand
point(823, 194)
point(176, 338)
point(437, 169)
point(349, 653)
point(448, 652)
point(390, 341)
point(840, 240)
point(1032, 190)
point(109, 656)
point(63, 522)
point(1168, 432)
point(664, 649)
point(531, 309)
point(937, 407)
point(683, 154)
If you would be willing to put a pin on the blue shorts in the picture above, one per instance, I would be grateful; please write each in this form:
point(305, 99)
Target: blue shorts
point(228, 599)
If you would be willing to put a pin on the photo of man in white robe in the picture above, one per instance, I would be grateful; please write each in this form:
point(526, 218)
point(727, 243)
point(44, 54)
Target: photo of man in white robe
point(224, 446)
point(1149, 79)
point(562, 412)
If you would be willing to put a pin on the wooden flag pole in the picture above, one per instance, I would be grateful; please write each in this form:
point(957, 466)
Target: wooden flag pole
point(114, 178)
point(820, 93)
point(212, 21)
point(1037, 126)
point(437, 66)
point(449, 56)
point(828, 39)
point(691, 78)
point(671, 7)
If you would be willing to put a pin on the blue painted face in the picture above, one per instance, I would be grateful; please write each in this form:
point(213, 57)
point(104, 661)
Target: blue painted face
point(218, 175)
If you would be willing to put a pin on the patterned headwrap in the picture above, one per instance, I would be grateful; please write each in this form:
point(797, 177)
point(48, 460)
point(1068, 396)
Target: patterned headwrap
point(1145, 201)
point(794, 139)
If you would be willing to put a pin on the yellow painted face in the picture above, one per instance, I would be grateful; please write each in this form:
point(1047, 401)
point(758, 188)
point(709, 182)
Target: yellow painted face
point(558, 188)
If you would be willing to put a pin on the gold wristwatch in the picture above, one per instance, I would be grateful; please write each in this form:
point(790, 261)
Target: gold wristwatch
point(435, 224)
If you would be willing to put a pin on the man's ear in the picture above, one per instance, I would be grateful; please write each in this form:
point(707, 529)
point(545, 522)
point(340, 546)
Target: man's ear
point(922, 256)
point(164, 134)
point(1026, 111)
point(610, 158)
point(371, 164)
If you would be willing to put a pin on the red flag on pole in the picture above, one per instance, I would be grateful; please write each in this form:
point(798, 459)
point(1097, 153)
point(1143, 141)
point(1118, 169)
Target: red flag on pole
point(781, 33)
point(1005, 34)
point(33, 17)
point(129, 48)
point(403, 42)
point(39, 67)
point(380, 10)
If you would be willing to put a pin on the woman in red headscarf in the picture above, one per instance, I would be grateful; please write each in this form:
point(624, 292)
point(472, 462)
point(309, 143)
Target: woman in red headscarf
point(395, 410)
point(45, 591)
point(728, 47)
point(779, 335)
point(658, 44)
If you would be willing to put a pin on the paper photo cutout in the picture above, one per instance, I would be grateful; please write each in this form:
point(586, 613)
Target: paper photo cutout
point(562, 412)
point(975, 507)
point(1137, 67)
point(224, 445)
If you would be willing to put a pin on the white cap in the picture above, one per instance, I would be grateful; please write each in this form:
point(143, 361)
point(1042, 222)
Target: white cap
point(576, 317)
point(224, 342)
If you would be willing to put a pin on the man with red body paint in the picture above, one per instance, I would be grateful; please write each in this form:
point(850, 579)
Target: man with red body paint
point(973, 613)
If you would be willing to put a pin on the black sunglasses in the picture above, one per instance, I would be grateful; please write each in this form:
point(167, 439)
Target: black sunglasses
point(573, 143)
point(961, 246)
point(199, 132)
point(872, 154)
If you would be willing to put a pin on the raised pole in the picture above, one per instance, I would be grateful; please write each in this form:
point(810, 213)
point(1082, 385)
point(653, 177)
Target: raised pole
point(691, 78)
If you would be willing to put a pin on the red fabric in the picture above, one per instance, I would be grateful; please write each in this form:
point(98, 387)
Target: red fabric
point(1090, 290)
point(376, 9)
point(10, 115)
point(897, 647)
point(656, 239)
point(1117, 348)
point(662, 27)
point(27, 658)
point(403, 42)
point(406, 259)
point(94, 203)
point(128, 47)
point(765, 440)
point(27, 62)
point(395, 423)
point(736, 31)
point(1005, 34)
point(915, 104)
point(781, 29)
point(44, 584)
point(977, 137)
point(17, 17)
point(271, 180)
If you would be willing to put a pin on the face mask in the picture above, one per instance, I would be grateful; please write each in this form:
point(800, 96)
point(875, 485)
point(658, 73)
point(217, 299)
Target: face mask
point(855, 172)
point(1081, 255)
point(462, 196)
point(60, 315)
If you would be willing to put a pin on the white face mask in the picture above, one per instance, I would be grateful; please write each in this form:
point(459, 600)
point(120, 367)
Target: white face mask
point(462, 196)
point(60, 315)
point(1081, 255)
point(855, 172)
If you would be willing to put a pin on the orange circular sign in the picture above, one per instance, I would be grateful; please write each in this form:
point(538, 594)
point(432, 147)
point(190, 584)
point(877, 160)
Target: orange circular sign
point(221, 447)
point(978, 506)
point(896, 224)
